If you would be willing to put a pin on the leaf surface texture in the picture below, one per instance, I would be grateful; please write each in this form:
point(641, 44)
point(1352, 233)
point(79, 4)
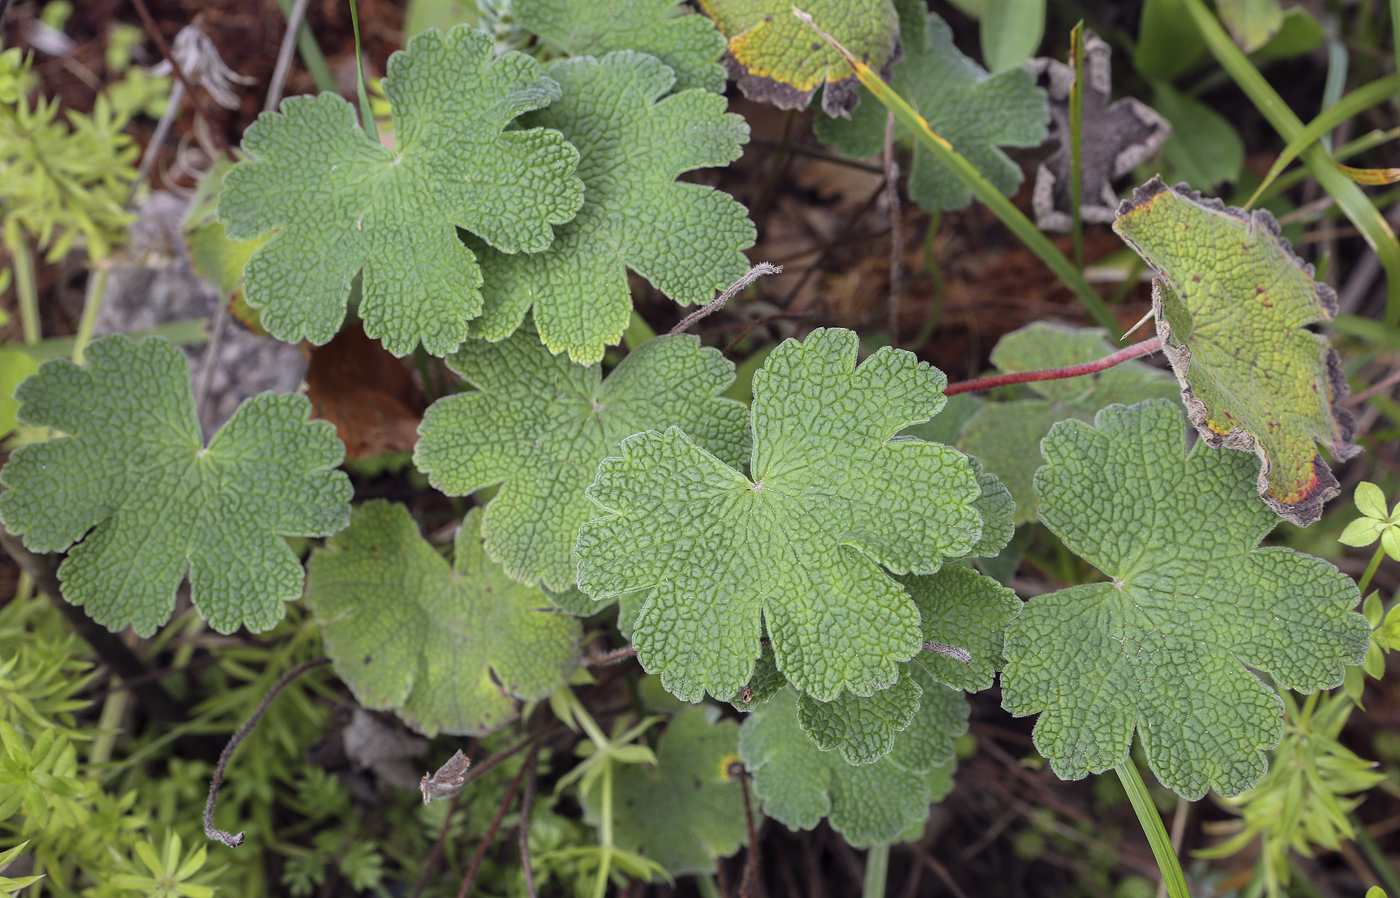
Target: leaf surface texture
point(1165, 646)
point(134, 483)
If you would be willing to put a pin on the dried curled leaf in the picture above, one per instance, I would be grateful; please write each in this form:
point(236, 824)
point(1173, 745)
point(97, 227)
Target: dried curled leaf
point(1232, 305)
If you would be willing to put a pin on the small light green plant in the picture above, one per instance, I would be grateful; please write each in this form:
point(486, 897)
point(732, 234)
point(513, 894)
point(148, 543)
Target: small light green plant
point(1304, 801)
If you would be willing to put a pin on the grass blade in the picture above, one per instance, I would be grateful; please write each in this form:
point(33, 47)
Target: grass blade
point(1003, 208)
point(1353, 203)
point(1347, 107)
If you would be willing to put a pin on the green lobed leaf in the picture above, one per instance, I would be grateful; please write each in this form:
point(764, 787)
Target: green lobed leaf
point(539, 425)
point(339, 201)
point(1006, 436)
point(133, 481)
point(449, 648)
point(967, 610)
point(777, 58)
point(957, 606)
point(877, 802)
point(689, 44)
point(833, 502)
point(974, 111)
point(686, 239)
point(863, 729)
point(1166, 645)
point(765, 682)
point(686, 810)
point(1232, 307)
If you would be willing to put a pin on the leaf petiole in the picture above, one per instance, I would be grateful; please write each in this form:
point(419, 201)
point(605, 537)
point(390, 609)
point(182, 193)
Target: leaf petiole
point(1137, 350)
point(1152, 827)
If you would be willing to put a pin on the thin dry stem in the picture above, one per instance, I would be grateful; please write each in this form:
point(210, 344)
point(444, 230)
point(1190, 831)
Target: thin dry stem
point(753, 274)
point(218, 835)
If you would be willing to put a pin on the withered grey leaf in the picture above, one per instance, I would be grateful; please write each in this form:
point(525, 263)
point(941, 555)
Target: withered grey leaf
point(1117, 137)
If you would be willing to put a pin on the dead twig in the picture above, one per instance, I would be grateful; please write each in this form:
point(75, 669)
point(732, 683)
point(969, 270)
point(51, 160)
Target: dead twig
point(753, 274)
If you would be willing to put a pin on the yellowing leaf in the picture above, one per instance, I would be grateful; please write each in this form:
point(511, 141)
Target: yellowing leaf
point(1232, 307)
point(777, 58)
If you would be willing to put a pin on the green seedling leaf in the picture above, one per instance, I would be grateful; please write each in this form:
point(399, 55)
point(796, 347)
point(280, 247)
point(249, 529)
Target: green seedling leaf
point(447, 647)
point(1168, 42)
point(997, 510)
point(1116, 138)
point(777, 59)
point(1375, 522)
point(832, 499)
point(133, 481)
point(340, 202)
point(876, 802)
point(686, 239)
point(974, 111)
point(956, 606)
point(1166, 645)
point(686, 810)
point(1232, 307)
point(689, 44)
point(1006, 436)
point(539, 425)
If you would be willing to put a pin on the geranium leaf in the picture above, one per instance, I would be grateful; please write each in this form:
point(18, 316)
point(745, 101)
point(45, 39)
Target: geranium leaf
point(957, 606)
point(340, 201)
point(1232, 307)
point(1006, 436)
point(974, 111)
point(833, 502)
point(689, 44)
point(448, 647)
point(539, 425)
point(876, 802)
point(778, 59)
point(1167, 644)
point(134, 482)
point(686, 810)
point(686, 239)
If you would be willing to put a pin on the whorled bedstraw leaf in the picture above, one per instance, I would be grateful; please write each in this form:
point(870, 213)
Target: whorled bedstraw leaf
point(800, 784)
point(1232, 305)
point(974, 111)
point(1166, 645)
point(777, 58)
point(1006, 436)
point(447, 647)
point(689, 44)
point(686, 239)
point(134, 482)
point(539, 425)
point(804, 545)
point(340, 201)
point(957, 606)
point(686, 810)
